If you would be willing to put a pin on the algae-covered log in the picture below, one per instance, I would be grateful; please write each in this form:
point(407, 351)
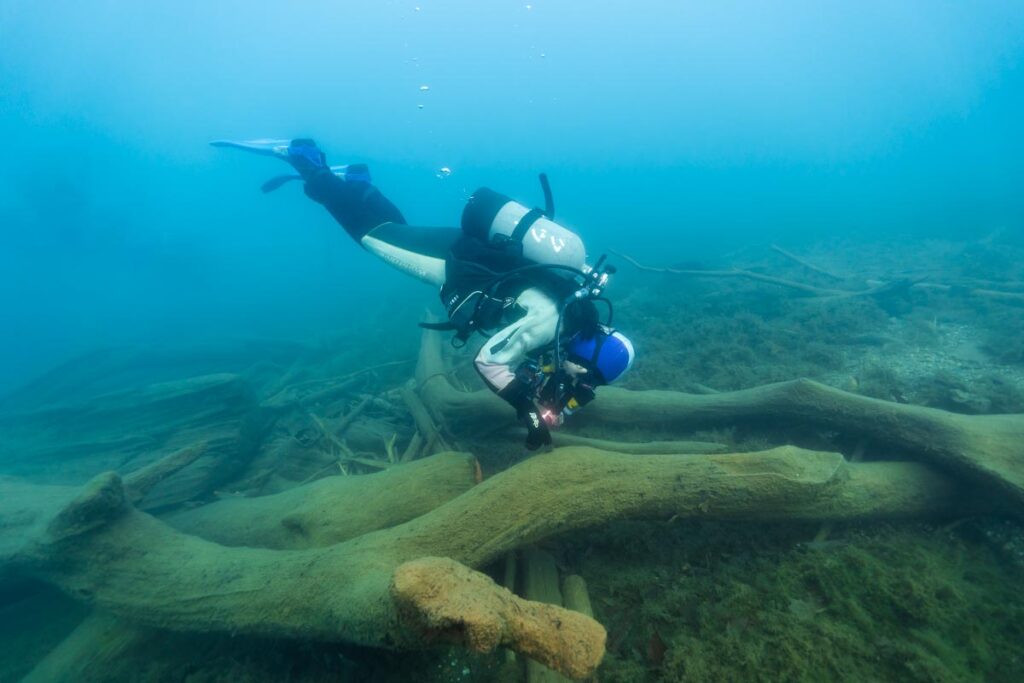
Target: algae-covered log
point(335, 509)
point(104, 552)
point(332, 509)
point(986, 447)
point(26, 508)
point(445, 601)
point(101, 550)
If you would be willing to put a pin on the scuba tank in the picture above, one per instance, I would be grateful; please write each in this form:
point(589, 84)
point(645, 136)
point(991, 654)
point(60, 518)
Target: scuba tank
point(514, 241)
point(491, 217)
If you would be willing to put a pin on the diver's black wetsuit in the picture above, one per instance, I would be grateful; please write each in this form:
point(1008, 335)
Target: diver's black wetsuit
point(471, 264)
point(358, 206)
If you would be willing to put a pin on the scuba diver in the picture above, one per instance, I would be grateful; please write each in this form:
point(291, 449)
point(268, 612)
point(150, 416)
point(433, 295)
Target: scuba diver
point(509, 272)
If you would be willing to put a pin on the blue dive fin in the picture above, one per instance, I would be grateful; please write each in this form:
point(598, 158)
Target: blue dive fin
point(264, 146)
point(279, 149)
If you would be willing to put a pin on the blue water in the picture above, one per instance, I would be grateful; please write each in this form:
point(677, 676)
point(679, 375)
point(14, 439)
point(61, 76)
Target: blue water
point(669, 129)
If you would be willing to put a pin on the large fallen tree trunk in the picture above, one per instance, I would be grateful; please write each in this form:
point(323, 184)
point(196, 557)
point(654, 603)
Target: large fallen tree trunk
point(322, 513)
point(377, 589)
point(986, 447)
point(333, 509)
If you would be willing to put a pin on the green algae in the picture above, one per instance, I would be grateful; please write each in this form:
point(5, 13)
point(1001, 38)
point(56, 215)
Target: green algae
point(731, 602)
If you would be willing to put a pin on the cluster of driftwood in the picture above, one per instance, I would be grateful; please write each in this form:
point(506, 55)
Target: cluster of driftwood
point(840, 287)
point(391, 559)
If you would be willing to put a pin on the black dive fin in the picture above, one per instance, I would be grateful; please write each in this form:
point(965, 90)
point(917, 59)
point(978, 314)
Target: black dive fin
point(278, 181)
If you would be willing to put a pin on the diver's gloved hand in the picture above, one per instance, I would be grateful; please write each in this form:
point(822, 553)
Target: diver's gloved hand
point(537, 432)
point(519, 393)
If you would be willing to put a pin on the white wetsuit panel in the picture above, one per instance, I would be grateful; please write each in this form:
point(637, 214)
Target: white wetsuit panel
point(506, 349)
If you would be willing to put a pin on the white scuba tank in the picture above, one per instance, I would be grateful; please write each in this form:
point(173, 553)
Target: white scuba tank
point(493, 217)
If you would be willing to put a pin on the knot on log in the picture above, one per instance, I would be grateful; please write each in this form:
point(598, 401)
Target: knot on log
point(446, 601)
point(101, 500)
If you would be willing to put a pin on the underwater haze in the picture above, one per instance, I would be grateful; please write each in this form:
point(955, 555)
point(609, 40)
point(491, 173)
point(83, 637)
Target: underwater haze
point(668, 129)
point(228, 452)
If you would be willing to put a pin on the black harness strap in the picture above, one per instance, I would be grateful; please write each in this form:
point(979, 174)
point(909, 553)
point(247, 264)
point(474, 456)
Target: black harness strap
point(525, 223)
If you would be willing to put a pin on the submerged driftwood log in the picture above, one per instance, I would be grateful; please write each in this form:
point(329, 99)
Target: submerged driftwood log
point(995, 291)
point(333, 509)
point(987, 448)
point(345, 507)
point(101, 550)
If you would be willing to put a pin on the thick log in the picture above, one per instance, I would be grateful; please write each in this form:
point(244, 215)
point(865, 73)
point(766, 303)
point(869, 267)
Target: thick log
point(987, 448)
point(26, 508)
point(345, 507)
point(332, 509)
point(541, 584)
point(575, 595)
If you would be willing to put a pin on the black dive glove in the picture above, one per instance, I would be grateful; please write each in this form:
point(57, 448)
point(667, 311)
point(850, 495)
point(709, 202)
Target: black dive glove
point(537, 432)
point(519, 394)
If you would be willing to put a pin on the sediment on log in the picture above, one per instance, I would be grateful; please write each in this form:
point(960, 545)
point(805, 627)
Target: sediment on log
point(988, 448)
point(332, 509)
